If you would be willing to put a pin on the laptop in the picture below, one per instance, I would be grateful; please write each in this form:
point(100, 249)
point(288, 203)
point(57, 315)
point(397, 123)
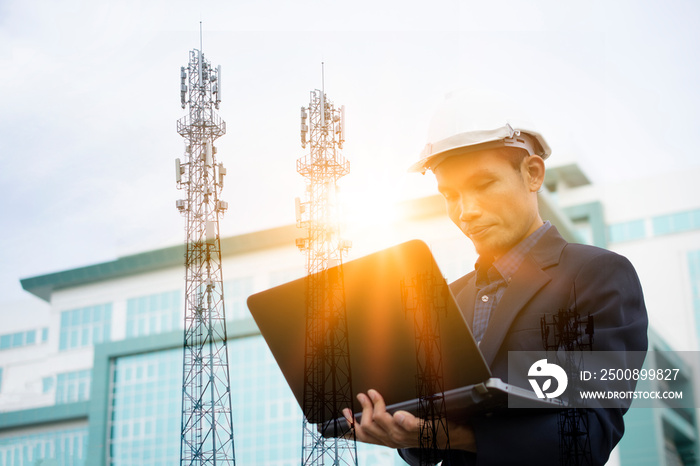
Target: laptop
point(382, 336)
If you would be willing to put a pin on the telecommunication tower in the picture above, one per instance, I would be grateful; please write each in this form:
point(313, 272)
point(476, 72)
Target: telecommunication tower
point(327, 377)
point(425, 297)
point(207, 423)
point(567, 331)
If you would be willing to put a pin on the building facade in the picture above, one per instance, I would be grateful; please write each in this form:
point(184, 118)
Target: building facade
point(95, 378)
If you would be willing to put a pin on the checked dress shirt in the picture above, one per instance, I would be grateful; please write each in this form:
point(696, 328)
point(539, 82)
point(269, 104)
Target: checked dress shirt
point(492, 278)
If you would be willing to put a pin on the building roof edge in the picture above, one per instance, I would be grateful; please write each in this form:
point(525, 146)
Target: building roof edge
point(43, 286)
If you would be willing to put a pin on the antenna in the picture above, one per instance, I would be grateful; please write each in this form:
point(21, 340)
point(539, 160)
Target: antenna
point(326, 347)
point(206, 429)
point(323, 96)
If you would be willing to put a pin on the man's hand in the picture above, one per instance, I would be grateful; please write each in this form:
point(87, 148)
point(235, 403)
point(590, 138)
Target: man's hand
point(400, 430)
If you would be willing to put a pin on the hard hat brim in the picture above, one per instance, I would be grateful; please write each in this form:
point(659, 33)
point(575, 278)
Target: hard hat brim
point(473, 141)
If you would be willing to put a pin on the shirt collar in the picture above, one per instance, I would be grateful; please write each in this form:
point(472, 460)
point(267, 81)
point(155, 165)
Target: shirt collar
point(508, 263)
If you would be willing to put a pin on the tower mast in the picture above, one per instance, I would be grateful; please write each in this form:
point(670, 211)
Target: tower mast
point(571, 333)
point(207, 423)
point(327, 377)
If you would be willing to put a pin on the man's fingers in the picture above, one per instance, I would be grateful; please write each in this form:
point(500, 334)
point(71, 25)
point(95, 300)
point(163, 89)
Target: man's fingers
point(364, 428)
point(367, 430)
point(367, 406)
point(377, 400)
point(364, 400)
point(380, 415)
point(380, 427)
point(350, 420)
point(392, 432)
point(347, 414)
point(407, 421)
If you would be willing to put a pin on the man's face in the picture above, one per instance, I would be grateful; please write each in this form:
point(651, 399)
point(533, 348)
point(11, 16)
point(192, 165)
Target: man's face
point(494, 204)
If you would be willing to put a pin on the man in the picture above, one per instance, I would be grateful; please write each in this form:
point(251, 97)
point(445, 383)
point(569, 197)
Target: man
point(489, 178)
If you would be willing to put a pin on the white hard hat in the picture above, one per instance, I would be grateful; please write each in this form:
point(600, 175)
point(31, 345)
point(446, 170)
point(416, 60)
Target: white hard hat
point(477, 120)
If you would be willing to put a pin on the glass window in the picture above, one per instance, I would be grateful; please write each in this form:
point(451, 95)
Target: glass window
point(86, 316)
point(236, 293)
point(146, 400)
point(96, 314)
point(85, 326)
point(694, 272)
point(627, 231)
point(44, 334)
point(64, 447)
point(47, 384)
point(157, 313)
point(17, 339)
point(682, 221)
point(676, 222)
point(73, 386)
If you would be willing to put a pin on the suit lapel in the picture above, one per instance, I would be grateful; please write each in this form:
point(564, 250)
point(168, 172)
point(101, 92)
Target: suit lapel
point(525, 283)
point(465, 299)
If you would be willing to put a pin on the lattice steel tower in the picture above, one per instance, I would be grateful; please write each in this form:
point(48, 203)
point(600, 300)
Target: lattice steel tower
point(425, 297)
point(207, 424)
point(572, 333)
point(327, 377)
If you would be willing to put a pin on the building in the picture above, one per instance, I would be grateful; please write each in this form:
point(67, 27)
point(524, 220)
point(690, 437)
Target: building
point(654, 222)
point(97, 378)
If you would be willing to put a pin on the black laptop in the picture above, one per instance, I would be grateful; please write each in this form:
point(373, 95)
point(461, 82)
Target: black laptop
point(382, 336)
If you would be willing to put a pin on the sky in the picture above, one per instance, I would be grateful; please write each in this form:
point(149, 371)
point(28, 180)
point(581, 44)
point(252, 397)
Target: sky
point(91, 98)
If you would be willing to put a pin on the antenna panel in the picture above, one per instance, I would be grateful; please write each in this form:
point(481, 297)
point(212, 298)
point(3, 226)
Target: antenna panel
point(218, 86)
point(208, 154)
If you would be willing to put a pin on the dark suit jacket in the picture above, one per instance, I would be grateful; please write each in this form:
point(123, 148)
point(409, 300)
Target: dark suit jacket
point(606, 287)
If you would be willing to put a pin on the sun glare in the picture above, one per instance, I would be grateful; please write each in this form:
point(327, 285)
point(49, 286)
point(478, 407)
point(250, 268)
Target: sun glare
point(372, 206)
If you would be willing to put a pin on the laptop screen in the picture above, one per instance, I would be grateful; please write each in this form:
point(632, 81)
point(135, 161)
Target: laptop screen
point(401, 318)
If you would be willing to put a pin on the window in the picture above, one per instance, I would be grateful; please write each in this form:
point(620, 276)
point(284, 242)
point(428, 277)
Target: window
point(47, 384)
point(18, 339)
point(694, 272)
point(156, 313)
point(72, 387)
point(627, 231)
point(146, 399)
point(145, 402)
point(66, 447)
point(676, 222)
point(85, 326)
point(236, 293)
